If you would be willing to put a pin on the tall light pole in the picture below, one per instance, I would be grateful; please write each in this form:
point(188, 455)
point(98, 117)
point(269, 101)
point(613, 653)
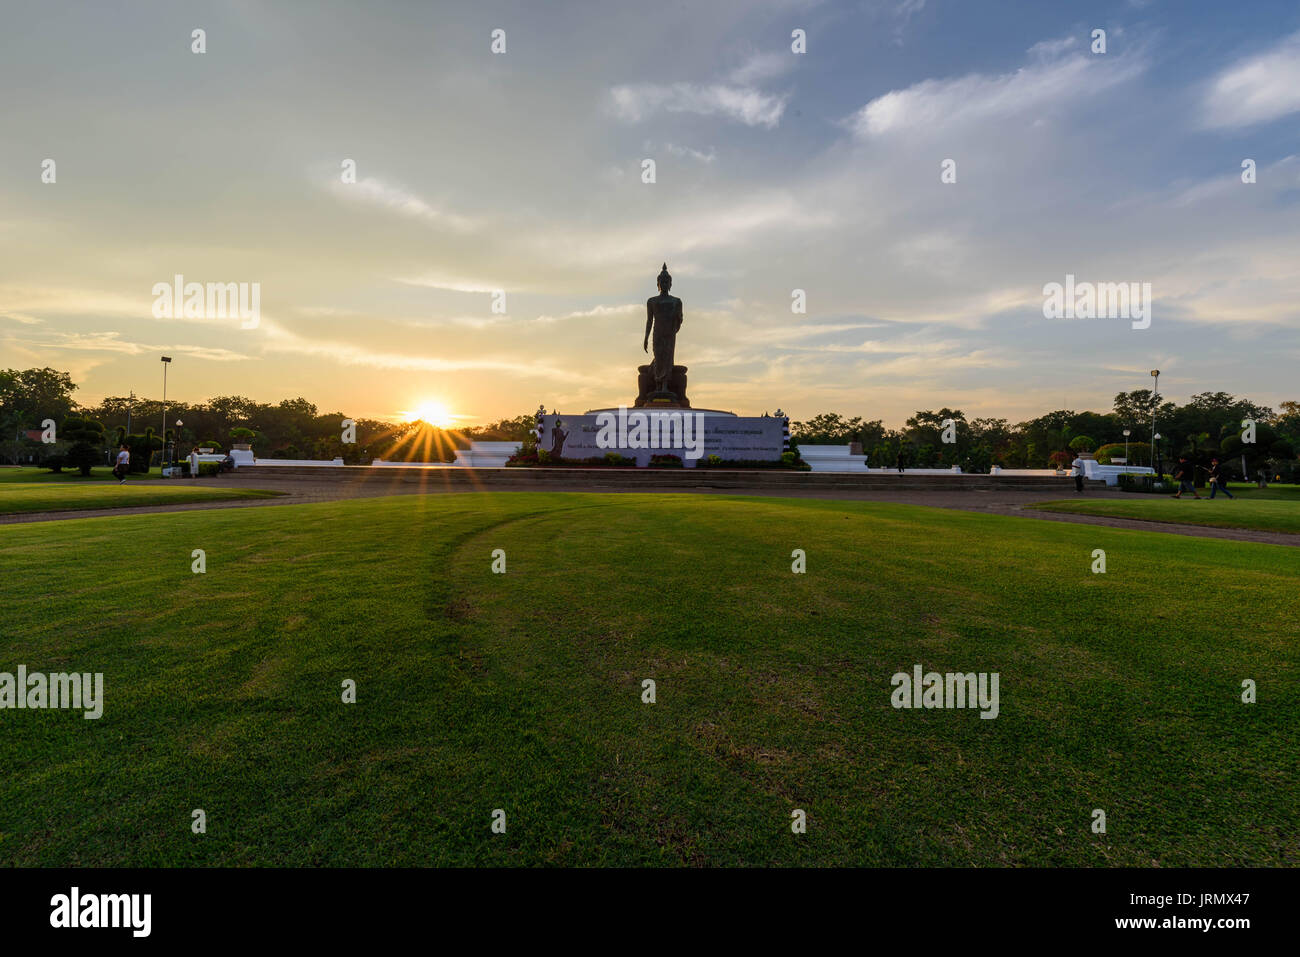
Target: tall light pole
point(1127, 433)
point(1155, 400)
point(166, 360)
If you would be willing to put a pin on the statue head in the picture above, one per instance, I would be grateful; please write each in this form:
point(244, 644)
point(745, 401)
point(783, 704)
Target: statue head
point(665, 281)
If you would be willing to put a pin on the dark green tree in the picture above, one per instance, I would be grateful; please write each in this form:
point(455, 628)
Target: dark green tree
point(87, 438)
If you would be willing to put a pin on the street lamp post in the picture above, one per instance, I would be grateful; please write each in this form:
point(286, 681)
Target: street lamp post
point(176, 442)
point(1159, 468)
point(1155, 400)
point(166, 360)
point(1127, 433)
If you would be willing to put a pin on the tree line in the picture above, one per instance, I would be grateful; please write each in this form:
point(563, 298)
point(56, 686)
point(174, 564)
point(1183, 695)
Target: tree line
point(1209, 424)
point(290, 429)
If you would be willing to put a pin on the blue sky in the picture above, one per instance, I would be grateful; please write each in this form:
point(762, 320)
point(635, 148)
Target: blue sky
point(775, 171)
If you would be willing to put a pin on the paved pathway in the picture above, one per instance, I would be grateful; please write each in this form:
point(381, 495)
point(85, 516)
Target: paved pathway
point(1001, 502)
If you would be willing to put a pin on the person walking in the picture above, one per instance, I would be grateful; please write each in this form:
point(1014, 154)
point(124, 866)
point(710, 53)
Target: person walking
point(123, 465)
point(1078, 469)
point(194, 462)
point(1218, 482)
point(1184, 473)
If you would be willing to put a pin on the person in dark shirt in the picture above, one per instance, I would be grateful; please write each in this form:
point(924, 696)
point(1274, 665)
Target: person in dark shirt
point(1218, 481)
point(1184, 474)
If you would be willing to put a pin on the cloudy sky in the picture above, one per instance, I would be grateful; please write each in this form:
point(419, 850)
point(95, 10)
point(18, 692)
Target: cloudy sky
point(775, 171)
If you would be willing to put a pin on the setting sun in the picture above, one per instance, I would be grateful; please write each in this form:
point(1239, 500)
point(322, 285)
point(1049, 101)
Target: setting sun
point(434, 413)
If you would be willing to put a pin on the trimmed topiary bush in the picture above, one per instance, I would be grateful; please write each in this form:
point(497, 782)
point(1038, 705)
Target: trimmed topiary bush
point(87, 438)
point(1138, 453)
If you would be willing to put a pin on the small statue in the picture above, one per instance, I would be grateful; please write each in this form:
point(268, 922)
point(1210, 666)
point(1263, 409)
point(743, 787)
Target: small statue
point(558, 435)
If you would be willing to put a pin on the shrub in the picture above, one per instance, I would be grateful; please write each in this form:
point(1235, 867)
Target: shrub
point(979, 461)
point(242, 435)
point(798, 466)
point(216, 446)
point(789, 458)
point(142, 448)
point(665, 461)
point(1130, 482)
point(1138, 453)
point(613, 458)
point(1142, 482)
point(1082, 443)
point(713, 460)
point(524, 457)
point(87, 438)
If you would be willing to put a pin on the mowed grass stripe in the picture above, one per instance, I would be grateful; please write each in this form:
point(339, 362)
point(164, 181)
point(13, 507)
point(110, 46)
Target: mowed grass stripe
point(1269, 515)
point(522, 691)
point(25, 497)
point(27, 474)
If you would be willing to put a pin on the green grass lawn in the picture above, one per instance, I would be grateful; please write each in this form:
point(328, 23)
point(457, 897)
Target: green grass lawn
point(522, 691)
point(1275, 509)
point(60, 497)
point(26, 475)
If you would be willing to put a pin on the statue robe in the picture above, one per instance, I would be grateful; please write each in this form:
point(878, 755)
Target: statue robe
point(666, 313)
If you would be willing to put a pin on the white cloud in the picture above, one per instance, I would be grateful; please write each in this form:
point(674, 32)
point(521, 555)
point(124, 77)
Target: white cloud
point(51, 300)
point(376, 192)
point(904, 12)
point(280, 339)
point(1052, 49)
point(690, 153)
point(744, 104)
point(449, 283)
point(112, 342)
point(599, 312)
point(762, 66)
point(1257, 89)
point(933, 105)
